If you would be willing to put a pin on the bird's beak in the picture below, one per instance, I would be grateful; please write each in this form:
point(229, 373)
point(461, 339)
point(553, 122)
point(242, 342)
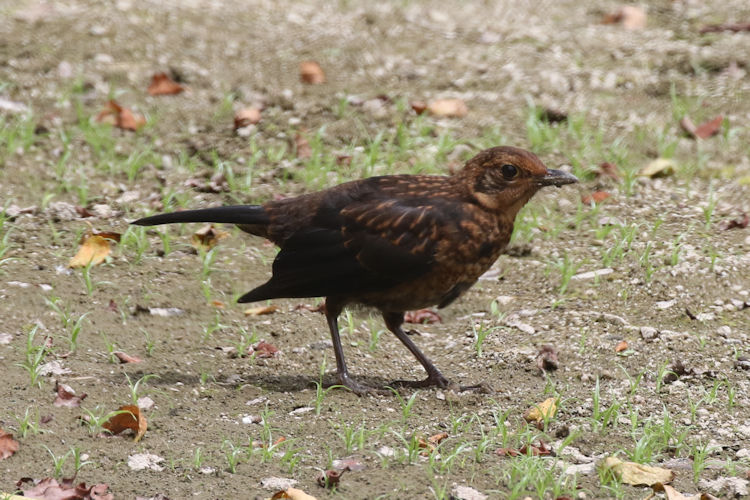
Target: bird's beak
point(557, 178)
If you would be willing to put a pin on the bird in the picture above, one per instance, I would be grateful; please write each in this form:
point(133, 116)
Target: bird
point(394, 243)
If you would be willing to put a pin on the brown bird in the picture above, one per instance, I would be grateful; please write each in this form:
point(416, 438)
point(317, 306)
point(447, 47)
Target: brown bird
point(395, 243)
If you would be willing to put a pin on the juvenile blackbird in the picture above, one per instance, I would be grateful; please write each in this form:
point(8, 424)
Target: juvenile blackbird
point(395, 243)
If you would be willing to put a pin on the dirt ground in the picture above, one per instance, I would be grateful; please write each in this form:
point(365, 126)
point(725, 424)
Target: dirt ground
point(644, 298)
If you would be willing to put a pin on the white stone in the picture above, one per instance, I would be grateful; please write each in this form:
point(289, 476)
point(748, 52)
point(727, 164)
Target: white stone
point(141, 461)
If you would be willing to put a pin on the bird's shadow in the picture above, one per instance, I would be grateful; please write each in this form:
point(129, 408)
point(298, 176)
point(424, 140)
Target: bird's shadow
point(270, 383)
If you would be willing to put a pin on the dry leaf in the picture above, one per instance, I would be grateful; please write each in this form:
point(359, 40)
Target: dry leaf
point(161, 84)
point(546, 360)
point(330, 478)
point(704, 130)
point(245, 117)
point(218, 304)
point(453, 108)
point(120, 117)
point(94, 248)
point(436, 439)
point(126, 358)
point(302, 146)
point(260, 310)
point(207, 237)
point(621, 346)
point(637, 474)
point(66, 396)
point(422, 317)
point(607, 169)
point(311, 72)
point(660, 167)
point(740, 223)
point(292, 494)
point(630, 16)
point(709, 128)
point(539, 450)
point(264, 350)
point(419, 107)
point(8, 445)
point(673, 494)
point(543, 411)
point(49, 489)
point(736, 28)
point(595, 197)
point(131, 418)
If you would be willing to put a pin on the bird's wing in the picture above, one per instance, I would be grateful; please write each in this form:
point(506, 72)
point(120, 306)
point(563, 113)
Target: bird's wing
point(364, 246)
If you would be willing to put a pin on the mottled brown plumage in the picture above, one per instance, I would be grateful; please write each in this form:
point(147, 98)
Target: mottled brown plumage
point(394, 243)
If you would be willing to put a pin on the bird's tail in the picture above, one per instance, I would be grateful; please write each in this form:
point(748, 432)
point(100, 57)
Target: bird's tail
point(249, 215)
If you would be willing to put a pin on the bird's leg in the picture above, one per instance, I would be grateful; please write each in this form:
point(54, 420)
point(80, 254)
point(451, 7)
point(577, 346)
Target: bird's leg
point(394, 320)
point(333, 309)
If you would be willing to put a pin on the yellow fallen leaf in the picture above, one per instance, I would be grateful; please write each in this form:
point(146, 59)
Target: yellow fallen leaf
point(260, 310)
point(94, 249)
point(207, 237)
point(637, 474)
point(673, 494)
point(293, 494)
point(455, 108)
point(660, 167)
point(543, 411)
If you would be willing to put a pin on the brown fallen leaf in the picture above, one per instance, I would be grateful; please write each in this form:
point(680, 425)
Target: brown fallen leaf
point(330, 478)
point(207, 237)
point(66, 396)
point(422, 317)
point(310, 72)
point(162, 84)
point(94, 248)
point(123, 118)
point(631, 17)
point(673, 494)
point(536, 450)
point(621, 346)
point(246, 116)
point(418, 107)
point(320, 308)
point(130, 418)
point(261, 310)
point(541, 412)
point(449, 108)
point(595, 197)
point(292, 494)
point(740, 223)
point(704, 130)
point(8, 445)
point(50, 489)
point(547, 360)
point(126, 358)
point(302, 146)
point(607, 169)
point(264, 350)
point(636, 474)
point(714, 28)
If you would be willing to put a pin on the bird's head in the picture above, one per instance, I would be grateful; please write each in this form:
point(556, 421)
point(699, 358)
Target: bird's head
point(504, 178)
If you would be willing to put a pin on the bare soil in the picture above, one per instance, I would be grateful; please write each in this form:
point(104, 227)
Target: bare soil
point(627, 88)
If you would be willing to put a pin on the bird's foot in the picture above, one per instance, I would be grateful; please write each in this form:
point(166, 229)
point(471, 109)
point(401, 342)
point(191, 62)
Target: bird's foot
point(433, 380)
point(358, 388)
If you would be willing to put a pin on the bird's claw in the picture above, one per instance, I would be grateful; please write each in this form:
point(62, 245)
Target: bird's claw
point(358, 388)
point(433, 380)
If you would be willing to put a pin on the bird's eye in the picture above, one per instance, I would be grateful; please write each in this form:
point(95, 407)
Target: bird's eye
point(509, 171)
